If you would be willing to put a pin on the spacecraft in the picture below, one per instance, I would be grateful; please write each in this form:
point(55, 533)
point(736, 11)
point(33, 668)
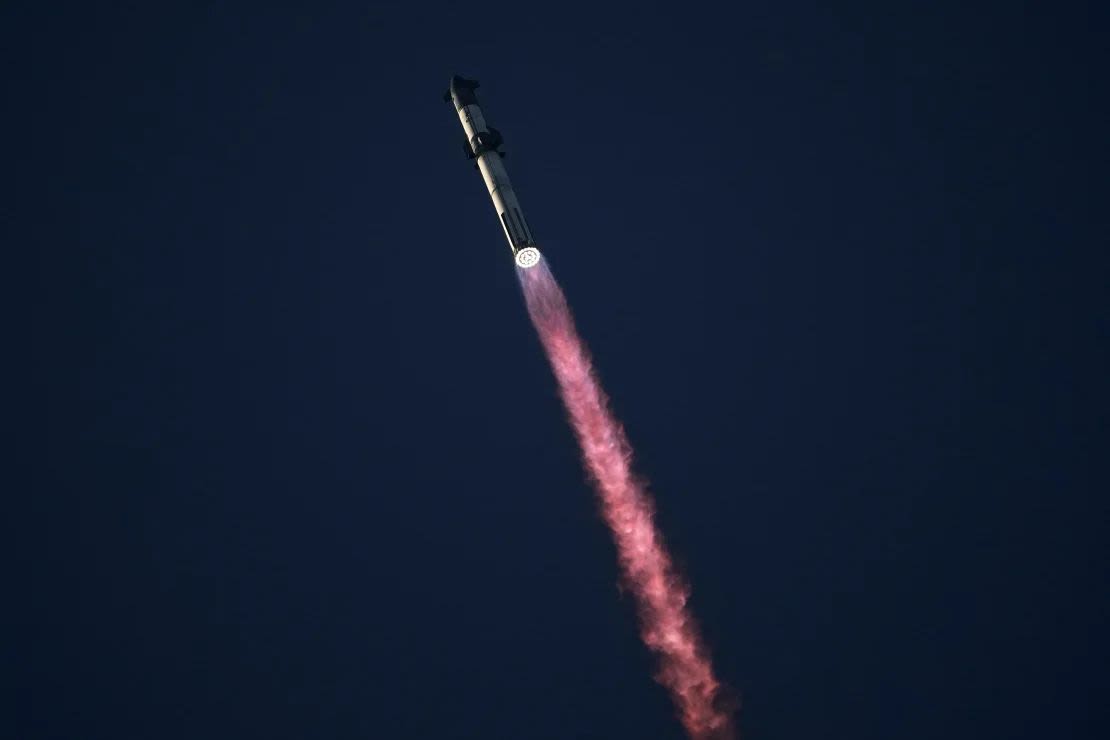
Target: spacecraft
point(483, 144)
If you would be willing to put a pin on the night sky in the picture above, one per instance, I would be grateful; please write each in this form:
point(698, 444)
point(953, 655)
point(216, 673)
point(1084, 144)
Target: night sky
point(288, 460)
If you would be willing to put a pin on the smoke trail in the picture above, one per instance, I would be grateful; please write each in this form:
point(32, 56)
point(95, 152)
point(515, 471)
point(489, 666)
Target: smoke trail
point(666, 625)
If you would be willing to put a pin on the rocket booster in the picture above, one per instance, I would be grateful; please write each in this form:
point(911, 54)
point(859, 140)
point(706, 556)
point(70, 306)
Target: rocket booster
point(483, 144)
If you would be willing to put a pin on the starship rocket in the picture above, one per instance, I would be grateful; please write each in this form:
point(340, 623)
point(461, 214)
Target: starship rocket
point(483, 143)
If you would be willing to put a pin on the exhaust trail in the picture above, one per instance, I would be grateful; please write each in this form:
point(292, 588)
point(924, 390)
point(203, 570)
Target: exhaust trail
point(666, 624)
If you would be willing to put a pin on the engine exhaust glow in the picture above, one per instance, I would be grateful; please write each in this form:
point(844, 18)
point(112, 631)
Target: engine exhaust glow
point(666, 624)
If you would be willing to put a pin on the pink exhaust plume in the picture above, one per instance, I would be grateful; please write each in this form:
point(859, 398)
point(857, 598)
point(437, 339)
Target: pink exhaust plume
point(666, 625)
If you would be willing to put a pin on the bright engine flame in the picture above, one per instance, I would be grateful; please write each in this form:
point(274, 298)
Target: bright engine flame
point(527, 257)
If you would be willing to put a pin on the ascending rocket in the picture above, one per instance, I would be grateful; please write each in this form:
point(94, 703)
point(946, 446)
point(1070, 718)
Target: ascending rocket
point(482, 142)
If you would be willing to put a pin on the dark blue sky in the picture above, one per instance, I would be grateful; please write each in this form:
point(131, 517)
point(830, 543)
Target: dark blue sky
point(290, 460)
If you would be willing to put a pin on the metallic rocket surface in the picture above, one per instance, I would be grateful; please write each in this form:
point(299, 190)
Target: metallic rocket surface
point(483, 143)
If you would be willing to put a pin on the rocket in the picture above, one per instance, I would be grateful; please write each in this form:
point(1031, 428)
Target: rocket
point(483, 144)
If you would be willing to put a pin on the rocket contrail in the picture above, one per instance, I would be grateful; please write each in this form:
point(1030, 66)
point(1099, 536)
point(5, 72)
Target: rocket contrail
point(667, 627)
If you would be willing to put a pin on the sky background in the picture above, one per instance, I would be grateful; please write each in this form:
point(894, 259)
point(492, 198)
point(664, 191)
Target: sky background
point(288, 461)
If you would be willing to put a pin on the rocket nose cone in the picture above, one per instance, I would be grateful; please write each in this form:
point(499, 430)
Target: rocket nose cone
point(462, 90)
point(458, 81)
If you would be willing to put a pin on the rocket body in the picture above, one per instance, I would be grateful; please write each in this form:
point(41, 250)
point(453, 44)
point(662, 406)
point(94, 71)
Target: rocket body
point(483, 144)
